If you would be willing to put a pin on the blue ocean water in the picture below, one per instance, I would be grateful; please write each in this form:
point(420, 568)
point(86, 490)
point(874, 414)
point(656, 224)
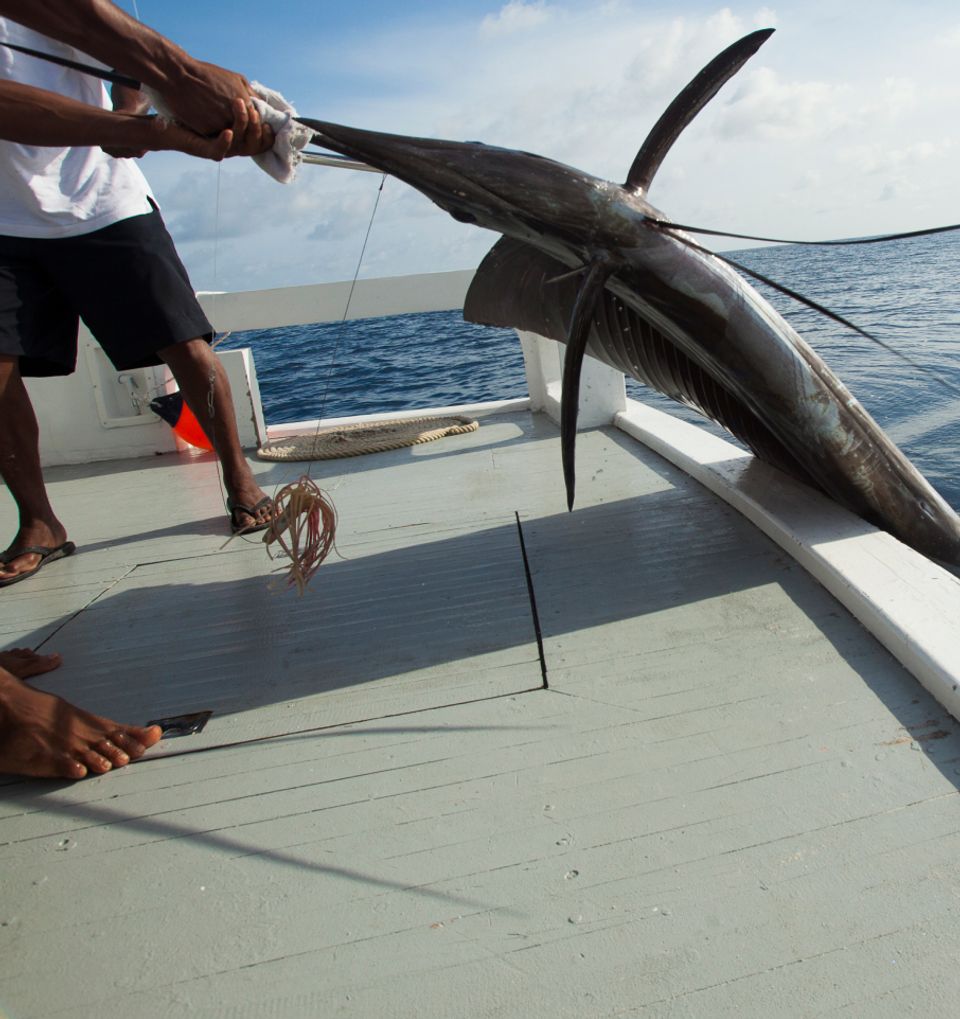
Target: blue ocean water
point(905, 292)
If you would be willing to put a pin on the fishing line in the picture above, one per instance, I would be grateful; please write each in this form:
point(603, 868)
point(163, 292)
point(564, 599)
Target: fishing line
point(810, 303)
point(97, 72)
point(213, 378)
point(305, 520)
point(670, 225)
point(346, 310)
point(341, 325)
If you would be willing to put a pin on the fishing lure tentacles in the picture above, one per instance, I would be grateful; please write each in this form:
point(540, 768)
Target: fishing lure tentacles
point(304, 528)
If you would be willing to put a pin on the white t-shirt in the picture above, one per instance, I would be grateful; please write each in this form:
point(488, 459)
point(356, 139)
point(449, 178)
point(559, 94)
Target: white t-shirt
point(61, 192)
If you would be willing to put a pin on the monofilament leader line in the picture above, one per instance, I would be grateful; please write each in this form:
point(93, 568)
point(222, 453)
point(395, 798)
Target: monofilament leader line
point(849, 242)
point(670, 229)
point(213, 315)
point(346, 310)
point(305, 520)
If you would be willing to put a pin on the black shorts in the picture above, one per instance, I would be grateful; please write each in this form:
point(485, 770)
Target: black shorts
point(125, 281)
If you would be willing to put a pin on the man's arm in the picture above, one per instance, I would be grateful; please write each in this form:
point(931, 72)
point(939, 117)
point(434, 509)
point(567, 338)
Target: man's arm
point(33, 116)
point(199, 95)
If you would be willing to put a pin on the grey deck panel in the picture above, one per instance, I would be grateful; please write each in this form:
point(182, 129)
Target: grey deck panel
point(730, 802)
point(202, 635)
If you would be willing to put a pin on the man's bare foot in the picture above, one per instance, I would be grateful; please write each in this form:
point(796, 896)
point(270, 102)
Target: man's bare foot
point(24, 663)
point(44, 535)
point(43, 736)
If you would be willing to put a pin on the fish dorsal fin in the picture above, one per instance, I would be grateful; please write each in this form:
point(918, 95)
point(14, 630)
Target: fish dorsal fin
point(688, 104)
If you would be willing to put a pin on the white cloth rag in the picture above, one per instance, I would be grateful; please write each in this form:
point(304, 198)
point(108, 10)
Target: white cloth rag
point(291, 136)
point(282, 160)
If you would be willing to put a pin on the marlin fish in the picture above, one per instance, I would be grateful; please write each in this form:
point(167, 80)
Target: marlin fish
point(593, 265)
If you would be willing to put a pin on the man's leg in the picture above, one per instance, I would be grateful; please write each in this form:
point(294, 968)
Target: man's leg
point(204, 385)
point(20, 469)
point(45, 737)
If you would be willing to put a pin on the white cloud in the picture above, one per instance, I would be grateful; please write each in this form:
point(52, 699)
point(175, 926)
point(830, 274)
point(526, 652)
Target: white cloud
point(765, 18)
point(880, 159)
point(899, 96)
point(809, 181)
point(765, 106)
point(950, 38)
point(516, 16)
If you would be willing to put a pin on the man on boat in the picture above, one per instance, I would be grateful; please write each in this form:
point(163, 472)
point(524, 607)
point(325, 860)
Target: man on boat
point(80, 235)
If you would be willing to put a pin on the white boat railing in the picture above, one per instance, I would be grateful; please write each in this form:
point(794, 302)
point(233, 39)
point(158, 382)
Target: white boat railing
point(602, 389)
point(334, 302)
point(101, 414)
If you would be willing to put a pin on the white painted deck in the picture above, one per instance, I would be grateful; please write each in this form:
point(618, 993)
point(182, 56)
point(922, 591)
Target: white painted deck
point(730, 801)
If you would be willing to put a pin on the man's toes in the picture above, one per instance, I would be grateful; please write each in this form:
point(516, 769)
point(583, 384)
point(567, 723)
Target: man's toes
point(147, 737)
point(20, 564)
point(46, 663)
point(136, 740)
point(116, 755)
point(24, 662)
point(132, 747)
point(94, 761)
point(242, 521)
point(70, 767)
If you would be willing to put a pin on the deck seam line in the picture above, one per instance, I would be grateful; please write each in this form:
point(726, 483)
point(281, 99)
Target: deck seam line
point(334, 725)
point(192, 558)
point(532, 595)
point(83, 608)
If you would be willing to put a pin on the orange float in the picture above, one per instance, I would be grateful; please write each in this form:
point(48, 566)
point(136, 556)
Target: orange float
point(174, 410)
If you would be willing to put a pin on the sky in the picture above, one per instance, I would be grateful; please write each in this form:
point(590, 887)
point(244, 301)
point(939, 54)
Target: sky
point(844, 124)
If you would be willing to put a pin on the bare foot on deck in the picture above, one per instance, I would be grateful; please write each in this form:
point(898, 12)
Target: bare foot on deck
point(43, 736)
point(24, 663)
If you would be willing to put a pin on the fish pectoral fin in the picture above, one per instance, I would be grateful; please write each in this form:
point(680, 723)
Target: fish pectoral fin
point(511, 289)
point(578, 332)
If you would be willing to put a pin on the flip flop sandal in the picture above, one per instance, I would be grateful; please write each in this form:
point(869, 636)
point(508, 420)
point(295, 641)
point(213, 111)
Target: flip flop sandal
point(236, 509)
point(46, 553)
